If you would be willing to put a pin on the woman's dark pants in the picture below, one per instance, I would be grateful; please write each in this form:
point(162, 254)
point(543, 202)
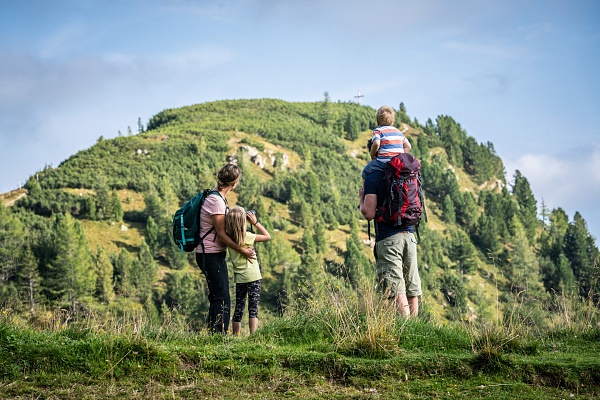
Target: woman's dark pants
point(214, 268)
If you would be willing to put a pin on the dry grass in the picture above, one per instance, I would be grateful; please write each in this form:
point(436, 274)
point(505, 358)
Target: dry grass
point(9, 198)
point(112, 237)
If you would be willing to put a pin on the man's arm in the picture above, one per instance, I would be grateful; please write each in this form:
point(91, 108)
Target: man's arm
point(368, 204)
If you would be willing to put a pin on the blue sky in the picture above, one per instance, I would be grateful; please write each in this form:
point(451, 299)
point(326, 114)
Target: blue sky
point(521, 74)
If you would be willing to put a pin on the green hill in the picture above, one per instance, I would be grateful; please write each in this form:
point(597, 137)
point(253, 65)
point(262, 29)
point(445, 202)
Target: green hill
point(94, 233)
point(96, 302)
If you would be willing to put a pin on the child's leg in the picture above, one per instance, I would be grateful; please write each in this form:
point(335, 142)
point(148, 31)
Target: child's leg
point(241, 290)
point(253, 298)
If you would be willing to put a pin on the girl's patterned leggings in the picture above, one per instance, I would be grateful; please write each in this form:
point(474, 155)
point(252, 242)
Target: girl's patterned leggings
point(252, 290)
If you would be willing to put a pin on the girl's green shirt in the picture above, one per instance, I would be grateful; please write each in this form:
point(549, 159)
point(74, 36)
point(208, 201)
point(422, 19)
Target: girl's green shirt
point(245, 270)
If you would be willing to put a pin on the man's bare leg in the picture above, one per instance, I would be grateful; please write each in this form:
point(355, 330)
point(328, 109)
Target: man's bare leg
point(408, 306)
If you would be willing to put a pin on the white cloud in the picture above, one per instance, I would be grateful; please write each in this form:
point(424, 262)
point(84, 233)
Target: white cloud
point(570, 181)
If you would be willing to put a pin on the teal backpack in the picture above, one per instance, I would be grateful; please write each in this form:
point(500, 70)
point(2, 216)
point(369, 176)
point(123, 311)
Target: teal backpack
point(186, 222)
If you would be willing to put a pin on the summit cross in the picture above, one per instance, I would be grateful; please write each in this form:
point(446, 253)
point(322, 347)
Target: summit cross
point(359, 96)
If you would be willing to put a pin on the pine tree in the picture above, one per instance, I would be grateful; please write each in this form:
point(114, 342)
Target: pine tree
point(152, 239)
point(104, 272)
point(448, 214)
point(487, 234)
point(70, 276)
point(462, 251)
point(527, 206)
point(356, 262)
point(312, 192)
point(169, 203)
point(154, 207)
point(122, 274)
point(29, 280)
point(144, 273)
point(104, 203)
point(249, 187)
point(554, 265)
point(182, 294)
point(140, 126)
point(12, 239)
point(582, 254)
point(320, 239)
point(116, 208)
point(466, 208)
point(310, 273)
point(352, 127)
point(176, 258)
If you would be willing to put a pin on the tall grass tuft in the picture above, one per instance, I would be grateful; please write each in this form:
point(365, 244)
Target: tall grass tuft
point(358, 323)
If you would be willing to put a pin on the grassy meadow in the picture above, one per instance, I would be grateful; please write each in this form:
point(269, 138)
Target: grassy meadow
point(336, 347)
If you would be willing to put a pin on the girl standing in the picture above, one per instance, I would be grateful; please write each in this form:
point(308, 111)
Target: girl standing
point(246, 271)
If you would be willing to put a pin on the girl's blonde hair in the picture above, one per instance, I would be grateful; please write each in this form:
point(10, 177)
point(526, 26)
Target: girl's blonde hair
point(235, 225)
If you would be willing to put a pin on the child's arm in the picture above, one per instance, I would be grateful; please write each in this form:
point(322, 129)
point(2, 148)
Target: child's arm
point(374, 149)
point(407, 145)
point(262, 235)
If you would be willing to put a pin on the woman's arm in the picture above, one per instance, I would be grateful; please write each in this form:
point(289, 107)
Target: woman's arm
point(218, 221)
point(263, 235)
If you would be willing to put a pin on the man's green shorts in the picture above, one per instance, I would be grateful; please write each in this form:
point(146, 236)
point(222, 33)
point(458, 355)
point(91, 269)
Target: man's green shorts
point(397, 270)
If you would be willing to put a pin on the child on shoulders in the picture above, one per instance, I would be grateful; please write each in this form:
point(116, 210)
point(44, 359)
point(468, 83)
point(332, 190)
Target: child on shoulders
point(387, 141)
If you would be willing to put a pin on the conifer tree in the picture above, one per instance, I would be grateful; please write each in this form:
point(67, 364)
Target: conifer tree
point(455, 293)
point(487, 234)
point(169, 203)
point(29, 280)
point(462, 251)
point(116, 208)
point(521, 264)
point(70, 275)
point(582, 254)
point(312, 192)
point(352, 127)
point(176, 258)
point(448, 214)
point(104, 273)
point(554, 266)
point(527, 205)
point(123, 274)
point(356, 262)
point(320, 239)
point(402, 114)
point(310, 273)
point(249, 187)
point(154, 206)
point(104, 203)
point(182, 294)
point(466, 208)
point(12, 239)
point(152, 233)
point(144, 272)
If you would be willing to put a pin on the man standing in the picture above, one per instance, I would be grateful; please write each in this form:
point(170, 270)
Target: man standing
point(395, 250)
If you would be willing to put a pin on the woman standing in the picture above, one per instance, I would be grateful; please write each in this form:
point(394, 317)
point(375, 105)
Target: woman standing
point(211, 253)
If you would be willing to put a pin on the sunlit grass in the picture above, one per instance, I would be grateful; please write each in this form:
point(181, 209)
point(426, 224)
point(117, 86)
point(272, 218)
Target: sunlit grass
point(357, 344)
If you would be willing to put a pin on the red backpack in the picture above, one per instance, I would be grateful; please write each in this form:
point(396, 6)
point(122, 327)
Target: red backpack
point(403, 204)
